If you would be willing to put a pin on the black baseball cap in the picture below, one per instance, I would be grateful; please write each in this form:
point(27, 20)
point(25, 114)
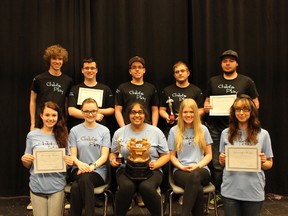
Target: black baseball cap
point(231, 53)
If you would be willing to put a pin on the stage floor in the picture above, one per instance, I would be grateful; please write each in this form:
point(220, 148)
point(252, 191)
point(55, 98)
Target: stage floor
point(274, 205)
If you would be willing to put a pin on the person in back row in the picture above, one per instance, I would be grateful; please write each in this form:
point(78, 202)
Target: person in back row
point(90, 88)
point(175, 93)
point(136, 91)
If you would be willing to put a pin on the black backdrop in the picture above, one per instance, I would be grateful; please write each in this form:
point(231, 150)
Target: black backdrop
point(163, 32)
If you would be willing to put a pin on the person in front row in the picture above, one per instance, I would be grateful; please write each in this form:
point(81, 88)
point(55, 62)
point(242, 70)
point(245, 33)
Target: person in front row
point(90, 144)
point(47, 189)
point(159, 155)
point(190, 149)
point(243, 192)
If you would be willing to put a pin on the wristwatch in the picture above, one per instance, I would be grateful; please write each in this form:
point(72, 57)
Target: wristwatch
point(94, 164)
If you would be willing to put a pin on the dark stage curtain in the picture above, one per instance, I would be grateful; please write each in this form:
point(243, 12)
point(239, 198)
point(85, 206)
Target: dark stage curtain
point(163, 32)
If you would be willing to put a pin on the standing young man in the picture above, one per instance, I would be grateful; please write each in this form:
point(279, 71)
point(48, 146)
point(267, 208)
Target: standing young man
point(228, 83)
point(90, 88)
point(136, 90)
point(175, 93)
point(51, 85)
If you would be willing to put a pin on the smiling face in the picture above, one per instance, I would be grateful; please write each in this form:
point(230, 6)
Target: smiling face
point(242, 112)
point(137, 70)
point(89, 111)
point(89, 70)
point(188, 116)
point(56, 62)
point(137, 115)
point(49, 117)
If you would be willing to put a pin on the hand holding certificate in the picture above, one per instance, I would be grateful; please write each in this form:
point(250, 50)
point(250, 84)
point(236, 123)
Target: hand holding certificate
point(49, 160)
point(221, 104)
point(243, 158)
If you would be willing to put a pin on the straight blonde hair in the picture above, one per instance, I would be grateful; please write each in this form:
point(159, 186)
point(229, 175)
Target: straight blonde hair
point(199, 138)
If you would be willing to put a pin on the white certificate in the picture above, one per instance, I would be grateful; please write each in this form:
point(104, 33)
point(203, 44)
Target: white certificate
point(243, 158)
point(221, 104)
point(49, 160)
point(96, 94)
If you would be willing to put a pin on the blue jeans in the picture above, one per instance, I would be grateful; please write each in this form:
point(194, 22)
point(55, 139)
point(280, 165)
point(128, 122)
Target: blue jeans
point(234, 207)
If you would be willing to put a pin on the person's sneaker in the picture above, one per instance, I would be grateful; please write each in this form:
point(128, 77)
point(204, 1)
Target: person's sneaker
point(29, 206)
point(180, 201)
point(218, 200)
point(131, 205)
point(140, 202)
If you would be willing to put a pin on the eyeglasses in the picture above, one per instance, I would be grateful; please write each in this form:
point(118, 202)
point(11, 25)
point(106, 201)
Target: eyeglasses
point(245, 110)
point(88, 112)
point(91, 68)
point(137, 67)
point(134, 112)
point(178, 71)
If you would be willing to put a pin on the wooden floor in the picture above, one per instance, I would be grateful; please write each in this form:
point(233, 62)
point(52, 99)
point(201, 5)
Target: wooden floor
point(273, 206)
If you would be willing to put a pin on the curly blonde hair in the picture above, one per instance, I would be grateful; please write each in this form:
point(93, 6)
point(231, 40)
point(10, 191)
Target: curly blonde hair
point(55, 50)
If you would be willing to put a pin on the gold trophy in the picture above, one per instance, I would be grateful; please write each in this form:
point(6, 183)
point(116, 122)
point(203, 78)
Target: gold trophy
point(120, 158)
point(137, 166)
point(171, 115)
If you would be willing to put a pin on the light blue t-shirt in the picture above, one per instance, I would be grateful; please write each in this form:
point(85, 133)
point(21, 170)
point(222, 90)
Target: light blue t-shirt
point(190, 153)
point(246, 186)
point(46, 183)
point(89, 143)
point(154, 136)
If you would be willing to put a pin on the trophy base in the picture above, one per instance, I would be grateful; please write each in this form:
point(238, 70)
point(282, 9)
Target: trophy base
point(138, 171)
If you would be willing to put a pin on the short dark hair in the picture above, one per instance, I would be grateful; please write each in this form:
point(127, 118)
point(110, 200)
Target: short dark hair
point(88, 60)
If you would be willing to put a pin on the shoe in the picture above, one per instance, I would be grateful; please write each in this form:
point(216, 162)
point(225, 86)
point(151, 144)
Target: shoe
point(140, 202)
point(180, 201)
point(67, 205)
point(131, 205)
point(218, 200)
point(29, 206)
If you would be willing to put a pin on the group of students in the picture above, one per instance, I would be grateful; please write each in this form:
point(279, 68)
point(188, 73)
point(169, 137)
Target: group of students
point(186, 141)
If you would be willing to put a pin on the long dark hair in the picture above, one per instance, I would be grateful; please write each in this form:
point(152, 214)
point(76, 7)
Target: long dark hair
point(253, 122)
point(60, 129)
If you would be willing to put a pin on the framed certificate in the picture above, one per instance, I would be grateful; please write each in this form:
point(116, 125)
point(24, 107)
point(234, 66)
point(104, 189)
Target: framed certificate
point(221, 104)
point(243, 158)
point(96, 94)
point(49, 160)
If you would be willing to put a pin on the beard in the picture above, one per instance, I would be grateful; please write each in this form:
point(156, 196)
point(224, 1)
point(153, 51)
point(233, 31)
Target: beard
point(229, 73)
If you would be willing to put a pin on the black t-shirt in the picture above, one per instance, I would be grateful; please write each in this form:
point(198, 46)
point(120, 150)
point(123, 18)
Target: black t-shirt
point(178, 94)
point(128, 93)
point(218, 85)
point(51, 88)
point(106, 102)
